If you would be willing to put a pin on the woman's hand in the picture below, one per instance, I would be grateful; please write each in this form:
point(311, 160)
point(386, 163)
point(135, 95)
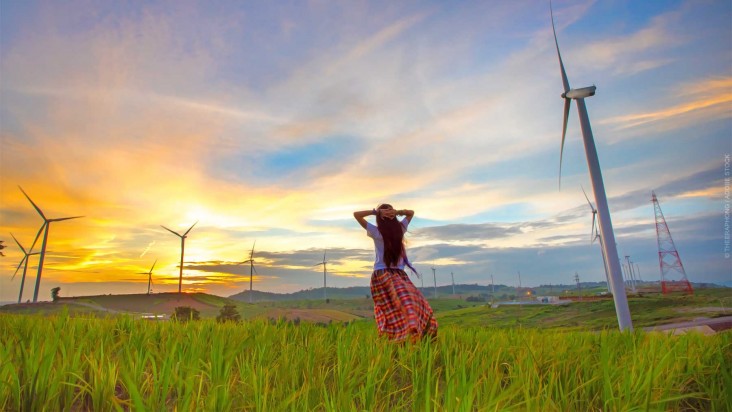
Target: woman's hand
point(388, 213)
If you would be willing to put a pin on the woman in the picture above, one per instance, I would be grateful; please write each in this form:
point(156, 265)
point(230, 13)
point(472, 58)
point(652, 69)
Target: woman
point(400, 309)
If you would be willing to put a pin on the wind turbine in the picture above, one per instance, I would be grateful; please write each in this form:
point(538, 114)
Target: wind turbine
point(452, 276)
point(603, 213)
point(182, 250)
point(434, 275)
point(26, 255)
point(595, 234)
point(149, 277)
point(324, 263)
point(251, 270)
point(46, 224)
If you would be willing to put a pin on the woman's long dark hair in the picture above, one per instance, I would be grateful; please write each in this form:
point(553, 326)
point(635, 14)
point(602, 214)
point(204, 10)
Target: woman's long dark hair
point(393, 234)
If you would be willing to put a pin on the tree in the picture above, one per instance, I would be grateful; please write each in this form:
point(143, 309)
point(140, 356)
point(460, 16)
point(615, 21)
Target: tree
point(185, 313)
point(228, 313)
point(54, 293)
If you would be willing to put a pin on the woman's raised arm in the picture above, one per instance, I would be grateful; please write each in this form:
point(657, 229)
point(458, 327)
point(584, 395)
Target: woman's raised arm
point(362, 214)
point(406, 212)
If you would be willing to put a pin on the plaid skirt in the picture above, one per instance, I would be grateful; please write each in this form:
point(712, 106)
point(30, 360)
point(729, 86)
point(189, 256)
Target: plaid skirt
point(401, 311)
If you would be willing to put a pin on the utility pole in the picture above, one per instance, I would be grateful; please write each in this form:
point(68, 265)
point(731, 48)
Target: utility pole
point(493, 285)
point(579, 288)
point(668, 255)
point(519, 288)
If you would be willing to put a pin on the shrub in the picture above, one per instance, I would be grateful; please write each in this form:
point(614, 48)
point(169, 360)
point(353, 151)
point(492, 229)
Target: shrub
point(54, 293)
point(228, 313)
point(185, 313)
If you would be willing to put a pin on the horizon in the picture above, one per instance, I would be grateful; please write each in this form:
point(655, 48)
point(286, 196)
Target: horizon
point(274, 123)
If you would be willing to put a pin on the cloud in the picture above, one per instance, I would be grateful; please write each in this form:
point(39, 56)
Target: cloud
point(697, 184)
point(635, 52)
point(703, 101)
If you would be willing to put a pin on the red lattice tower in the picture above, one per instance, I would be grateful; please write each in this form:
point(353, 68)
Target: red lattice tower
point(668, 256)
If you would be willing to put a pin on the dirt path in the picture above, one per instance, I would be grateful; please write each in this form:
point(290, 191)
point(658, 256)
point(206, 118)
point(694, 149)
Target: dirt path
point(715, 324)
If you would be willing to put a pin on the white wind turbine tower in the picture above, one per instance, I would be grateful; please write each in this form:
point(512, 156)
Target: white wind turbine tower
point(325, 271)
point(603, 213)
point(149, 277)
point(182, 251)
point(452, 276)
point(252, 271)
point(46, 224)
point(26, 257)
point(595, 234)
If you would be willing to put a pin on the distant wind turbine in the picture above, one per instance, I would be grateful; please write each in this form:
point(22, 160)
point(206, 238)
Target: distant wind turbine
point(149, 277)
point(46, 224)
point(26, 256)
point(434, 275)
point(182, 251)
point(452, 276)
point(325, 271)
point(603, 213)
point(595, 235)
point(252, 271)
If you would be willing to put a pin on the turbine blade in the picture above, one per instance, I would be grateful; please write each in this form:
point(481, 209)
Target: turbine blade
point(153, 266)
point(564, 133)
point(175, 233)
point(34, 205)
point(588, 199)
point(593, 235)
point(251, 254)
point(16, 241)
point(565, 81)
point(64, 218)
point(190, 228)
point(38, 235)
point(19, 265)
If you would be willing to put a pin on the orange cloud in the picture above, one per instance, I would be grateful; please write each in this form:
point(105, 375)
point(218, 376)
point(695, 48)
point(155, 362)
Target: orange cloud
point(708, 99)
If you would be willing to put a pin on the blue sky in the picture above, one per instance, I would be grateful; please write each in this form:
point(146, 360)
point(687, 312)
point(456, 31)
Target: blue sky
point(274, 121)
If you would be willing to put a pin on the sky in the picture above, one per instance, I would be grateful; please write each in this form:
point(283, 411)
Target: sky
point(272, 122)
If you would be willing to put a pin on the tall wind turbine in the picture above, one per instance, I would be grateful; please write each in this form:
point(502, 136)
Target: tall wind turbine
point(149, 277)
point(26, 256)
point(325, 270)
point(595, 234)
point(251, 270)
point(603, 213)
point(46, 224)
point(182, 251)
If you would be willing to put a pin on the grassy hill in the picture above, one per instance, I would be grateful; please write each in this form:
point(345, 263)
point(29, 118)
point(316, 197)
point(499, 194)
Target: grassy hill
point(596, 314)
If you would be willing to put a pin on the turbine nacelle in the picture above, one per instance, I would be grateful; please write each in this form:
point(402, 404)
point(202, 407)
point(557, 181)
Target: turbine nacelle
point(580, 93)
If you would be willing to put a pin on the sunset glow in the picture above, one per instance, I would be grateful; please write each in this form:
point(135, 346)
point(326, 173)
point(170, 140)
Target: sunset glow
point(272, 123)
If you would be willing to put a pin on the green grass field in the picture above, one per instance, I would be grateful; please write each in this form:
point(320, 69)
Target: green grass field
point(646, 310)
point(61, 362)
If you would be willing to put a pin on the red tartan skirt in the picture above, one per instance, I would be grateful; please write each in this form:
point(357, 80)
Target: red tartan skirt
point(401, 311)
